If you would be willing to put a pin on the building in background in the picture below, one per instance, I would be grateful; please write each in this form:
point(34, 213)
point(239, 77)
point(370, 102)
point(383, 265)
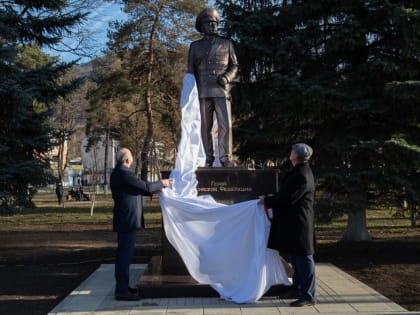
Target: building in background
point(74, 167)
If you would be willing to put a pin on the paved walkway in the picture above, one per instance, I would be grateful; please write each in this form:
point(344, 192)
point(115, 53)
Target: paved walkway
point(337, 293)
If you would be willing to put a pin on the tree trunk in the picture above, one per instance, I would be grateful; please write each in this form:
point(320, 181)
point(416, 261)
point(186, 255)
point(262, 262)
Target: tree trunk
point(92, 205)
point(95, 176)
point(356, 224)
point(147, 144)
point(61, 160)
point(145, 152)
point(106, 162)
point(413, 216)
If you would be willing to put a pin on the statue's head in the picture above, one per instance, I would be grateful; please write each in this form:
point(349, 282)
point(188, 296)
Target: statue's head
point(207, 21)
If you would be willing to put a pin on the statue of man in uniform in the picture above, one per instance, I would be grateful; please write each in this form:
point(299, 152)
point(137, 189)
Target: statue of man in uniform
point(213, 62)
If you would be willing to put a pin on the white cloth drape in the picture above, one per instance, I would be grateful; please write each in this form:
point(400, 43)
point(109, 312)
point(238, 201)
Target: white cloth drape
point(222, 246)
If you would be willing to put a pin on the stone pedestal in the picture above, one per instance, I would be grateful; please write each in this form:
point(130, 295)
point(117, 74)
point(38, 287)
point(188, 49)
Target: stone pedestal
point(166, 275)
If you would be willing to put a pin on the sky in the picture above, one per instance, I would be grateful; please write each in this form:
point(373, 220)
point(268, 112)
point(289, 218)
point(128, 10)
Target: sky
point(96, 25)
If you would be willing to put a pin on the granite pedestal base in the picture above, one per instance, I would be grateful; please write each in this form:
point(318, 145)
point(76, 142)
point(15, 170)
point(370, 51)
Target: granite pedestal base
point(166, 275)
point(155, 284)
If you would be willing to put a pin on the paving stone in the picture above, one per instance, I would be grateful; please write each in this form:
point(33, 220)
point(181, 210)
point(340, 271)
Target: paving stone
point(337, 293)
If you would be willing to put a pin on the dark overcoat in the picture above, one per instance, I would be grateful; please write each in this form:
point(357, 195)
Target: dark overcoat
point(292, 226)
point(127, 190)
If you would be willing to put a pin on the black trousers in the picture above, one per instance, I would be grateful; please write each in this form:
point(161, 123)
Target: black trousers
point(125, 251)
point(304, 276)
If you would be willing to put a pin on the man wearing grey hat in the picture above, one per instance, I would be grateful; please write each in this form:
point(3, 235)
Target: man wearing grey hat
point(213, 62)
point(292, 226)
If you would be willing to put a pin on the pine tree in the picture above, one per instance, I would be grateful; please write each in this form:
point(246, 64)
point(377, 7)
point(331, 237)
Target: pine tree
point(27, 89)
point(342, 76)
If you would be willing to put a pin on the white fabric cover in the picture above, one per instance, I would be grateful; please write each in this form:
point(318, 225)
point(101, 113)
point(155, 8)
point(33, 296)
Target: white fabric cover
point(222, 246)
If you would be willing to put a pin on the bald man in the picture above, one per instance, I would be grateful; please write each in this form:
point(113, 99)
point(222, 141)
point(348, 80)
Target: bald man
point(127, 190)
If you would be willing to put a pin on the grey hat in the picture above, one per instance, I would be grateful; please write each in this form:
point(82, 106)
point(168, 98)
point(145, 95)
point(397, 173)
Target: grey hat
point(303, 151)
point(209, 14)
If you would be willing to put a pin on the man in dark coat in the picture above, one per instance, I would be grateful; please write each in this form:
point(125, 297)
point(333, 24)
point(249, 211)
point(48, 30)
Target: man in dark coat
point(292, 228)
point(212, 60)
point(127, 190)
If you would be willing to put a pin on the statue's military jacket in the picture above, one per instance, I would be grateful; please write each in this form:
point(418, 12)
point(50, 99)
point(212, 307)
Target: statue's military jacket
point(208, 59)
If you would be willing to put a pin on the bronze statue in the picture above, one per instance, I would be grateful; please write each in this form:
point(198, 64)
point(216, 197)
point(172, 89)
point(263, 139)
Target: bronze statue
point(213, 62)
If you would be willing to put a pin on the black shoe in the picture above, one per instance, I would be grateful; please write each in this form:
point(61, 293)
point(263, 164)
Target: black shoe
point(300, 303)
point(133, 290)
point(127, 297)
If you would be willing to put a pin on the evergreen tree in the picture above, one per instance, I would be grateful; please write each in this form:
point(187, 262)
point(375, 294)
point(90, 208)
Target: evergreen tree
point(342, 76)
point(27, 89)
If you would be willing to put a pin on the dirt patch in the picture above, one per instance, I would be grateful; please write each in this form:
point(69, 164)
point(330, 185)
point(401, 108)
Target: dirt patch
point(390, 265)
point(36, 289)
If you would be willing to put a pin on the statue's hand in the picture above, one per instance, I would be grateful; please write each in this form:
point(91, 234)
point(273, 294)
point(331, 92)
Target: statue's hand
point(221, 79)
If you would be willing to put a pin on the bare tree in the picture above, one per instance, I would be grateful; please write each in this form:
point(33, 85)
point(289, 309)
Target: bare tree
point(80, 41)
